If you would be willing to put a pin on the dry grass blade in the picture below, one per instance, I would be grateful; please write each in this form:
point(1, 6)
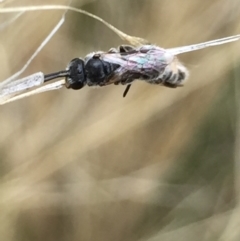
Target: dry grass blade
point(136, 41)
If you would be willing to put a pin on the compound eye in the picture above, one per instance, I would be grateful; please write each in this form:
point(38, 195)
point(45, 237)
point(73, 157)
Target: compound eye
point(76, 78)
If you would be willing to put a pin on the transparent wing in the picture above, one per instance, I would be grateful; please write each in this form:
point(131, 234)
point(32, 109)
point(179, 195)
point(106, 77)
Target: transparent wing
point(114, 58)
point(194, 47)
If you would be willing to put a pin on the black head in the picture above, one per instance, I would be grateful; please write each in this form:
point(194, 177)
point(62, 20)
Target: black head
point(76, 78)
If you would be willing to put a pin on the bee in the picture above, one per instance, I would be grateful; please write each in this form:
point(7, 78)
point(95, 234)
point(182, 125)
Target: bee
point(140, 60)
point(124, 65)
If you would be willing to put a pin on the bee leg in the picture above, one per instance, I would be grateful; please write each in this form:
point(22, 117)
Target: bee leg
point(126, 90)
point(126, 48)
point(170, 85)
point(112, 50)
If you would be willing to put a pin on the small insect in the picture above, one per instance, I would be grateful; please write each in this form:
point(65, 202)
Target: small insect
point(138, 61)
point(122, 66)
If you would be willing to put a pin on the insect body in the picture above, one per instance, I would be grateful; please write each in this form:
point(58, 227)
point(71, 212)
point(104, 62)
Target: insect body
point(123, 66)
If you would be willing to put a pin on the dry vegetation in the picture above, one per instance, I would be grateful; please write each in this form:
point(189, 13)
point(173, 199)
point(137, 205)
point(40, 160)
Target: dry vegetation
point(161, 164)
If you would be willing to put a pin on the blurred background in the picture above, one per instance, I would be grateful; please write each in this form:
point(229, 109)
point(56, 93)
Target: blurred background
point(160, 164)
